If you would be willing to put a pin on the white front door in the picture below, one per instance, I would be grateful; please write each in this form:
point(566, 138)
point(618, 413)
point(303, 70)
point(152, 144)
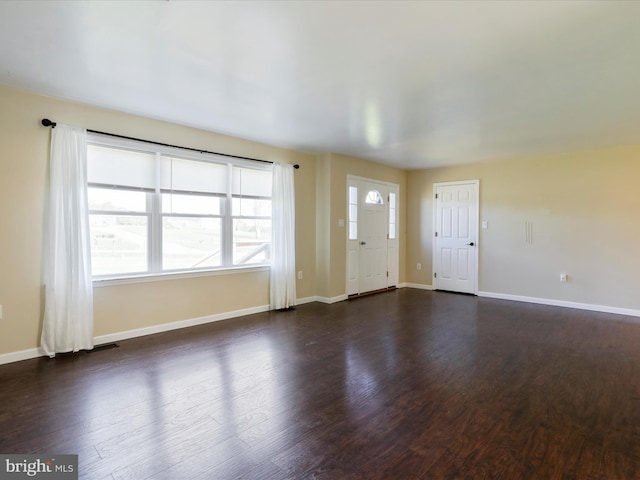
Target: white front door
point(456, 236)
point(372, 235)
point(374, 219)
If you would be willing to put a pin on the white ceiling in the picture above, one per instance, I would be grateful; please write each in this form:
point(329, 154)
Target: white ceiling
point(412, 84)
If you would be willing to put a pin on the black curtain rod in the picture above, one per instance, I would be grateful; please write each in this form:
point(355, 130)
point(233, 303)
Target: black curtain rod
point(48, 123)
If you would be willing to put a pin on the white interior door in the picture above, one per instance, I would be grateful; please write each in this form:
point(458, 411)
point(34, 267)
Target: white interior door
point(456, 236)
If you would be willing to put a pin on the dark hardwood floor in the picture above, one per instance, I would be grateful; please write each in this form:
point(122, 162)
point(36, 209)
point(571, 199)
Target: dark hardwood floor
point(403, 385)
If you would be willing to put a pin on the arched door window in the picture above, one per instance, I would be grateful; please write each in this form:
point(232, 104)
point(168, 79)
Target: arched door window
point(374, 197)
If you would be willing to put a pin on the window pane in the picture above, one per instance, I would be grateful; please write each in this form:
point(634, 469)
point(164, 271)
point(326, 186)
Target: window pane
point(116, 200)
point(392, 230)
point(118, 244)
point(353, 213)
point(192, 176)
point(193, 204)
point(256, 183)
point(124, 168)
point(374, 197)
point(189, 242)
point(392, 200)
point(353, 231)
point(251, 241)
point(251, 207)
point(353, 195)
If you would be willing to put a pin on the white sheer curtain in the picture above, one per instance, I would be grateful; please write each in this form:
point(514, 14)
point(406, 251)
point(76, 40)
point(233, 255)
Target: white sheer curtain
point(283, 239)
point(68, 312)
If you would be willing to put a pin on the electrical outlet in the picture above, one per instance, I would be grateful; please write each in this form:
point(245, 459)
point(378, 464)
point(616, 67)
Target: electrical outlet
point(418, 266)
point(563, 277)
point(300, 275)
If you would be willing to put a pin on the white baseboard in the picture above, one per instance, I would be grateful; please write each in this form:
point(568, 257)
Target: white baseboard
point(140, 332)
point(21, 355)
point(562, 303)
point(420, 286)
point(339, 298)
point(302, 301)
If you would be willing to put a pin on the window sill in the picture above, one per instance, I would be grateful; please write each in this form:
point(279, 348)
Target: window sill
point(159, 277)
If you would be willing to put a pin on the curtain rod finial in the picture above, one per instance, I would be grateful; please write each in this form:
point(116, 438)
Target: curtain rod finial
point(48, 123)
point(296, 166)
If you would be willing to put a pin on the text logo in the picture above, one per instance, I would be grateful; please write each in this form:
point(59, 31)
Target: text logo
point(49, 467)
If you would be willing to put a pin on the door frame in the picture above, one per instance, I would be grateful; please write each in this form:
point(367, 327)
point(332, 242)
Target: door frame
point(434, 250)
point(351, 179)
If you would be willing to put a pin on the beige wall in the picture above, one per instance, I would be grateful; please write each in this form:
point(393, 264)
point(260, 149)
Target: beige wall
point(323, 224)
point(584, 208)
point(24, 148)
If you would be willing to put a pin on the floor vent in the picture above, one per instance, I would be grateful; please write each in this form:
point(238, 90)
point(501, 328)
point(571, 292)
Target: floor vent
point(105, 346)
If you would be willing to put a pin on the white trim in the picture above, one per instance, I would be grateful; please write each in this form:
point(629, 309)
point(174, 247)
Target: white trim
point(316, 298)
point(562, 303)
point(434, 251)
point(456, 182)
point(420, 286)
point(21, 355)
point(159, 277)
point(339, 298)
point(302, 301)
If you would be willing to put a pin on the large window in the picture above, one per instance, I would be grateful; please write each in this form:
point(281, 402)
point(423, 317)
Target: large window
point(157, 210)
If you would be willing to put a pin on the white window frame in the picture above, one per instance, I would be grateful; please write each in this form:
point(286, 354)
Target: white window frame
point(155, 215)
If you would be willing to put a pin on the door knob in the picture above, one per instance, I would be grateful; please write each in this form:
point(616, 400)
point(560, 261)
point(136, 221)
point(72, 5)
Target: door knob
point(363, 243)
point(471, 244)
